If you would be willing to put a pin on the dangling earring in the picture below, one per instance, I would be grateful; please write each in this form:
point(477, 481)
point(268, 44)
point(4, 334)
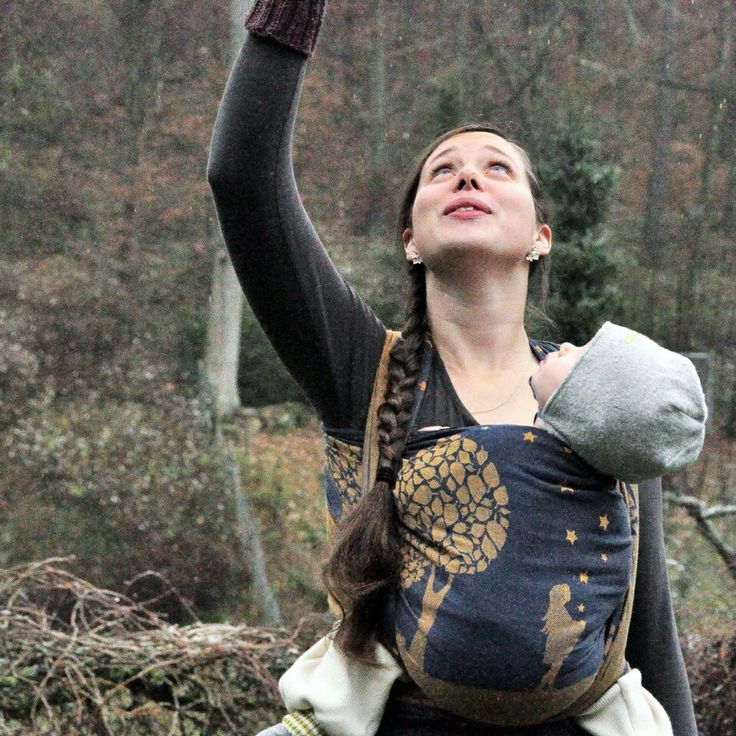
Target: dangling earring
point(533, 254)
point(411, 251)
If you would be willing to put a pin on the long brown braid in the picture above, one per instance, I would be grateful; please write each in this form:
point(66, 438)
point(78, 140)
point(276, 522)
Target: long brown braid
point(363, 567)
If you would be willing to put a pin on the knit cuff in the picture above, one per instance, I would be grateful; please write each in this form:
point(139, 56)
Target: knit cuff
point(292, 23)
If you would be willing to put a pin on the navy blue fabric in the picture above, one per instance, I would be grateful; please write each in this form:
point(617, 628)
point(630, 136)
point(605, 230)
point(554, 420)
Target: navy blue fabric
point(489, 631)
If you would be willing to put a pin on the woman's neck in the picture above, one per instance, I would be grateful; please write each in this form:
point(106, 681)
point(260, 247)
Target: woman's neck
point(479, 328)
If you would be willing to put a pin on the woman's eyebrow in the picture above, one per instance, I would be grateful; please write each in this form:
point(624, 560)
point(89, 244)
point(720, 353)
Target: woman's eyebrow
point(452, 149)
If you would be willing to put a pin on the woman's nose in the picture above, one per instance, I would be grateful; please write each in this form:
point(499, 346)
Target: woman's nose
point(467, 179)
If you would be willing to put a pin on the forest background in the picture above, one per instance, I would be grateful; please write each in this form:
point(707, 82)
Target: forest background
point(110, 448)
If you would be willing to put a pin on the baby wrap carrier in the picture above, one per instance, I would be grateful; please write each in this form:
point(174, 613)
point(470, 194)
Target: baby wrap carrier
point(518, 564)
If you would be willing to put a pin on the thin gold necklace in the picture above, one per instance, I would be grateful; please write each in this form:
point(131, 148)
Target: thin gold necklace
point(505, 401)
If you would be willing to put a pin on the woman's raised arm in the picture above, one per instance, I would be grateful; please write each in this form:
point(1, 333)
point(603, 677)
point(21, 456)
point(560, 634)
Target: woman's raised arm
point(326, 335)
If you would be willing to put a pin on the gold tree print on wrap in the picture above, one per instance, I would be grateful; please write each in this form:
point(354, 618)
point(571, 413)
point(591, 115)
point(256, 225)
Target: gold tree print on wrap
point(455, 513)
point(454, 508)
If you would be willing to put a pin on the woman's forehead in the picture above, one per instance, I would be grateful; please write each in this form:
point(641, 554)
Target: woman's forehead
point(475, 140)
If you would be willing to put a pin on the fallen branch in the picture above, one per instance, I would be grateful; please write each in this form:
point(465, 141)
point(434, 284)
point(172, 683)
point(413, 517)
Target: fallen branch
point(702, 515)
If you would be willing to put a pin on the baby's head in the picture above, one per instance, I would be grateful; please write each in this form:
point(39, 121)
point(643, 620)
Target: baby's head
point(629, 407)
point(553, 370)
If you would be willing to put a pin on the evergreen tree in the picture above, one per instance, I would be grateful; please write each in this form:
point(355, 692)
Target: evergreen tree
point(584, 289)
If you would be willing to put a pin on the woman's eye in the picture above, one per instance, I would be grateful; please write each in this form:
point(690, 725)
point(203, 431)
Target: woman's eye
point(441, 168)
point(502, 165)
point(447, 168)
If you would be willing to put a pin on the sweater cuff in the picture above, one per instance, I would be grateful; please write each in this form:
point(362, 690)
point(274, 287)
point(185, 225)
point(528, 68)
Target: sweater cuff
point(292, 23)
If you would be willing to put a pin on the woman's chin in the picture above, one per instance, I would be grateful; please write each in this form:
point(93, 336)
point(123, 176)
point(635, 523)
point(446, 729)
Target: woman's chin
point(471, 253)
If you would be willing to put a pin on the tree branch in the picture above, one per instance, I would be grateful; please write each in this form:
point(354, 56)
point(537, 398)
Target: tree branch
point(701, 514)
point(716, 511)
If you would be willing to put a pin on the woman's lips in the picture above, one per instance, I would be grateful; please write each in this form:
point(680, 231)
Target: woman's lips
point(466, 214)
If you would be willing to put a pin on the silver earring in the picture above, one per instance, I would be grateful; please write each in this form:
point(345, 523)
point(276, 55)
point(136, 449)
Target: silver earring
point(533, 254)
point(411, 251)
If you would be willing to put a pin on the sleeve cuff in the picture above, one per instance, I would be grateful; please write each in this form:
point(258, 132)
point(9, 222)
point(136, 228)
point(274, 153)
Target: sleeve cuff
point(292, 23)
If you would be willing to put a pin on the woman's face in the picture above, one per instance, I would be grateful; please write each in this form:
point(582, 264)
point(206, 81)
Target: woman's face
point(474, 198)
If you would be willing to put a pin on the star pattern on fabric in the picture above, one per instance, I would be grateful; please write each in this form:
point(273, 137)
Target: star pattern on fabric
point(581, 608)
point(604, 557)
point(603, 522)
point(571, 536)
point(530, 436)
point(584, 577)
point(567, 489)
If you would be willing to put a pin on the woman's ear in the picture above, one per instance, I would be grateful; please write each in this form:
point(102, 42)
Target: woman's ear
point(544, 240)
point(406, 236)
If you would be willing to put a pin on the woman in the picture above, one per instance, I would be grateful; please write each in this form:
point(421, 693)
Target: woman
point(471, 222)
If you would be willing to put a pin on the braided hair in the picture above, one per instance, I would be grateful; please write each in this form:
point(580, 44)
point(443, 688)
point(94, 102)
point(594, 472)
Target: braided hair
point(363, 566)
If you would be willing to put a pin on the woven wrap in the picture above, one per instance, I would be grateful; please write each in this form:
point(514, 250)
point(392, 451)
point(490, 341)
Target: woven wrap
point(519, 561)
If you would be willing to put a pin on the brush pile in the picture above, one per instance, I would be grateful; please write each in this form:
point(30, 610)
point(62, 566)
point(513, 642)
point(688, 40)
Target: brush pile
point(76, 660)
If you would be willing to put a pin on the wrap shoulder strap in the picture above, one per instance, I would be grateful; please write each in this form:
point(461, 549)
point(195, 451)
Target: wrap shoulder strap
point(370, 441)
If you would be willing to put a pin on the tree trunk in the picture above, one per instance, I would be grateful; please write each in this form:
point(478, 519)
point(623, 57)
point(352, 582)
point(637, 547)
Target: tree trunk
point(702, 215)
point(250, 538)
point(221, 376)
point(376, 183)
point(728, 140)
point(226, 299)
point(654, 239)
point(140, 41)
point(223, 335)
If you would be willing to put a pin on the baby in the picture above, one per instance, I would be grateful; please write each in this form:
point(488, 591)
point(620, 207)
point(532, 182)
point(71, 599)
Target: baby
point(629, 407)
point(631, 410)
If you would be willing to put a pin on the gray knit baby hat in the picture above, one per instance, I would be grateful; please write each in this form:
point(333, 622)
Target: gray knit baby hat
point(629, 407)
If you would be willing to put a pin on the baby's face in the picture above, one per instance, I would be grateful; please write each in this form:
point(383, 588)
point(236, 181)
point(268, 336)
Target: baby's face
point(553, 369)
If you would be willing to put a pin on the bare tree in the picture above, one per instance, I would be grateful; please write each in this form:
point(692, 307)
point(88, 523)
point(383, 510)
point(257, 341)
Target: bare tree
point(377, 125)
point(701, 216)
point(226, 299)
point(221, 372)
point(654, 238)
point(653, 233)
point(140, 41)
point(703, 516)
